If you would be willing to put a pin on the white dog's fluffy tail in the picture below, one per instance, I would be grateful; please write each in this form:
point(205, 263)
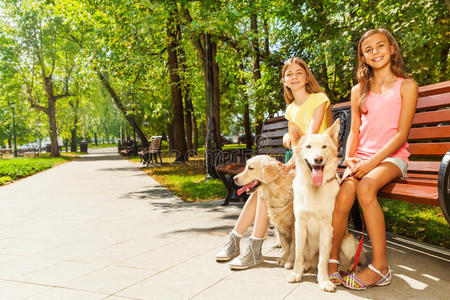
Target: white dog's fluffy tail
point(347, 253)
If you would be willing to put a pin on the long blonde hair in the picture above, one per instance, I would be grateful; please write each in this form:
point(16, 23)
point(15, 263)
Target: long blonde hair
point(365, 72)
point(312, 86)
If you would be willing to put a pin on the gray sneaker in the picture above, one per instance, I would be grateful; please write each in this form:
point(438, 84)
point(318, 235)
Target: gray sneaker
point(230, 250)
point(251, 257)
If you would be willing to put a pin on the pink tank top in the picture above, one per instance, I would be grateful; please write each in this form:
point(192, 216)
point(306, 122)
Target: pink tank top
point(380, 123)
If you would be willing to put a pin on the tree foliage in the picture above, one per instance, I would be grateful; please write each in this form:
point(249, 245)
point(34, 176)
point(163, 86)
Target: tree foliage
point(79, 42)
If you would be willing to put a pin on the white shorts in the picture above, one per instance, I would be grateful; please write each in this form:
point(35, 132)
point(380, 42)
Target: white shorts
point(400, 163)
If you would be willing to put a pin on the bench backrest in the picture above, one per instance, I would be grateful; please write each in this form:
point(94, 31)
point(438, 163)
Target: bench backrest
point(271, 139)
point(155, 143)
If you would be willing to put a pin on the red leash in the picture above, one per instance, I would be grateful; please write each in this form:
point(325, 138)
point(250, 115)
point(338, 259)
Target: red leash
point(360, 246)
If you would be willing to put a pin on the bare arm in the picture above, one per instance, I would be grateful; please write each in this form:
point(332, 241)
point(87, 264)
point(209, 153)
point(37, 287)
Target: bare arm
point(317, 118)
point(353, 137)
point(409, 93)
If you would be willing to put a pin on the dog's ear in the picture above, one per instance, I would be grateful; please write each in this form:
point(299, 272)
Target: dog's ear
point(333, 131)
point(271, 172)
point(295, 133)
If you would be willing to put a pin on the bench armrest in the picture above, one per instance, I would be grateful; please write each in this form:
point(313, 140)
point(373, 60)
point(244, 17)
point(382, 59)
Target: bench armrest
point(444, 186)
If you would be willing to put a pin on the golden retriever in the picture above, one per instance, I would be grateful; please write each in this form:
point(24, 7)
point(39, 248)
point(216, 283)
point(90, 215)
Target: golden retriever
point(315, 189)
point(274, 185)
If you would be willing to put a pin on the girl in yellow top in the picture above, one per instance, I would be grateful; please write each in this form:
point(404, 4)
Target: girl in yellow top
point(307, 107)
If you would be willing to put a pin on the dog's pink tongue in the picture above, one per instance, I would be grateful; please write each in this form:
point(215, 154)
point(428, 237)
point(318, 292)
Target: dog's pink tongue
point(317, 175)
point(246, 187)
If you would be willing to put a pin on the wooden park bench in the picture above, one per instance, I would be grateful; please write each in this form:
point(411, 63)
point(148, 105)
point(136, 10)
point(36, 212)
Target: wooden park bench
point(427, 180)
point(151, 154)
point(127, 148)
point(31, 151)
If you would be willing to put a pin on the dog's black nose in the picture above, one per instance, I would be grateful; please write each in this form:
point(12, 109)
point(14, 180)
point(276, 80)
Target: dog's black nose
point(235, 179)
point(318, 160)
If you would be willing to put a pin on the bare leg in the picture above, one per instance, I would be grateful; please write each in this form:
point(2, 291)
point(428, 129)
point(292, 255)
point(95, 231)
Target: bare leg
point(367, 191)
point(261, 220)
point(247, 214)
point(344, 202)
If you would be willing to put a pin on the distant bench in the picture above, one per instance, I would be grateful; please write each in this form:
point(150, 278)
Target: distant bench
point(428, 177)
point(20, 151)
point(153, 151)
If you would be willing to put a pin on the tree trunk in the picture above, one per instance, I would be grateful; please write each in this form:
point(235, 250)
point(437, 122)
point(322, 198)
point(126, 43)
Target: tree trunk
point(195, 130)
point(216, 95)
point(256, 68)
point(175, 84)
point(187, 96)
point(444, 55)
point(73, 130)
point(247, 126)
point(51, 102)
point(171, 136)
point(118, 102)
point(197, 41)
point(73, 140)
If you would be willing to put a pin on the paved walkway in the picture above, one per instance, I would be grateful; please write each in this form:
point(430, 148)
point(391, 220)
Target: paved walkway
point(99, 228)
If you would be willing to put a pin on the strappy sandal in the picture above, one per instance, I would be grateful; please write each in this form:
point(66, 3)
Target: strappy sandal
point(351, 281)
point(335, 277)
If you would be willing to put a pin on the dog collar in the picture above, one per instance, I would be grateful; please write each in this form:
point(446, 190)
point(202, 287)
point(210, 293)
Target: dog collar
point(331, 179)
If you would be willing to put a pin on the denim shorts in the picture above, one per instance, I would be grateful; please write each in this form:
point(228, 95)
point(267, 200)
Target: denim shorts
point(400, 163)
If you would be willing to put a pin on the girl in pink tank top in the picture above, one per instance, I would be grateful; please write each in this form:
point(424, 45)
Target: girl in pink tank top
point(382, 108)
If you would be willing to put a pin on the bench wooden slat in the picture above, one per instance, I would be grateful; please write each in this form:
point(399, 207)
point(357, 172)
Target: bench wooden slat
point(232, 168)
point(427, 133)
point(432, 117)
point(424, 166)
point(274, 134)
point(271, 142)
point(433, 101)
point(411, 193)
point(429, 148)
point(433, 89)
point(275, 151)
point(273, 126)
point(417, 181)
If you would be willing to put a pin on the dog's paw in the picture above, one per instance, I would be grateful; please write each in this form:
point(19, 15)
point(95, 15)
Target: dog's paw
point(294, 277)
point(327, 286)
point(281, 261)
point(288, 265)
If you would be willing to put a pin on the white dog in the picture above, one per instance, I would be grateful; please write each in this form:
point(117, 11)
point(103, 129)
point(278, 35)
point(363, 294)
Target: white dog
point(315, 189)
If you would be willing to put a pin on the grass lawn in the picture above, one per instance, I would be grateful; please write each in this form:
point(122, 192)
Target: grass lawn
point(187, 181)
point(15, 168)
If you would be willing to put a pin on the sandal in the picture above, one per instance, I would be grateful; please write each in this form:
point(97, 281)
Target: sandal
point(352, 282)
point(335, 277)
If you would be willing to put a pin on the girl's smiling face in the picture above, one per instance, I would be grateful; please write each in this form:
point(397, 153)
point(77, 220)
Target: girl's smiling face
point(377, 50)
point(295, 77)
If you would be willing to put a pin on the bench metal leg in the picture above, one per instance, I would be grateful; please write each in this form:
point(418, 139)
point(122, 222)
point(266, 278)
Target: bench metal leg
point(232, 196)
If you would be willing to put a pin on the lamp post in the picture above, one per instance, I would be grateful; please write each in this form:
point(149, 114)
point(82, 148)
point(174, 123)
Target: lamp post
point(14, 128)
